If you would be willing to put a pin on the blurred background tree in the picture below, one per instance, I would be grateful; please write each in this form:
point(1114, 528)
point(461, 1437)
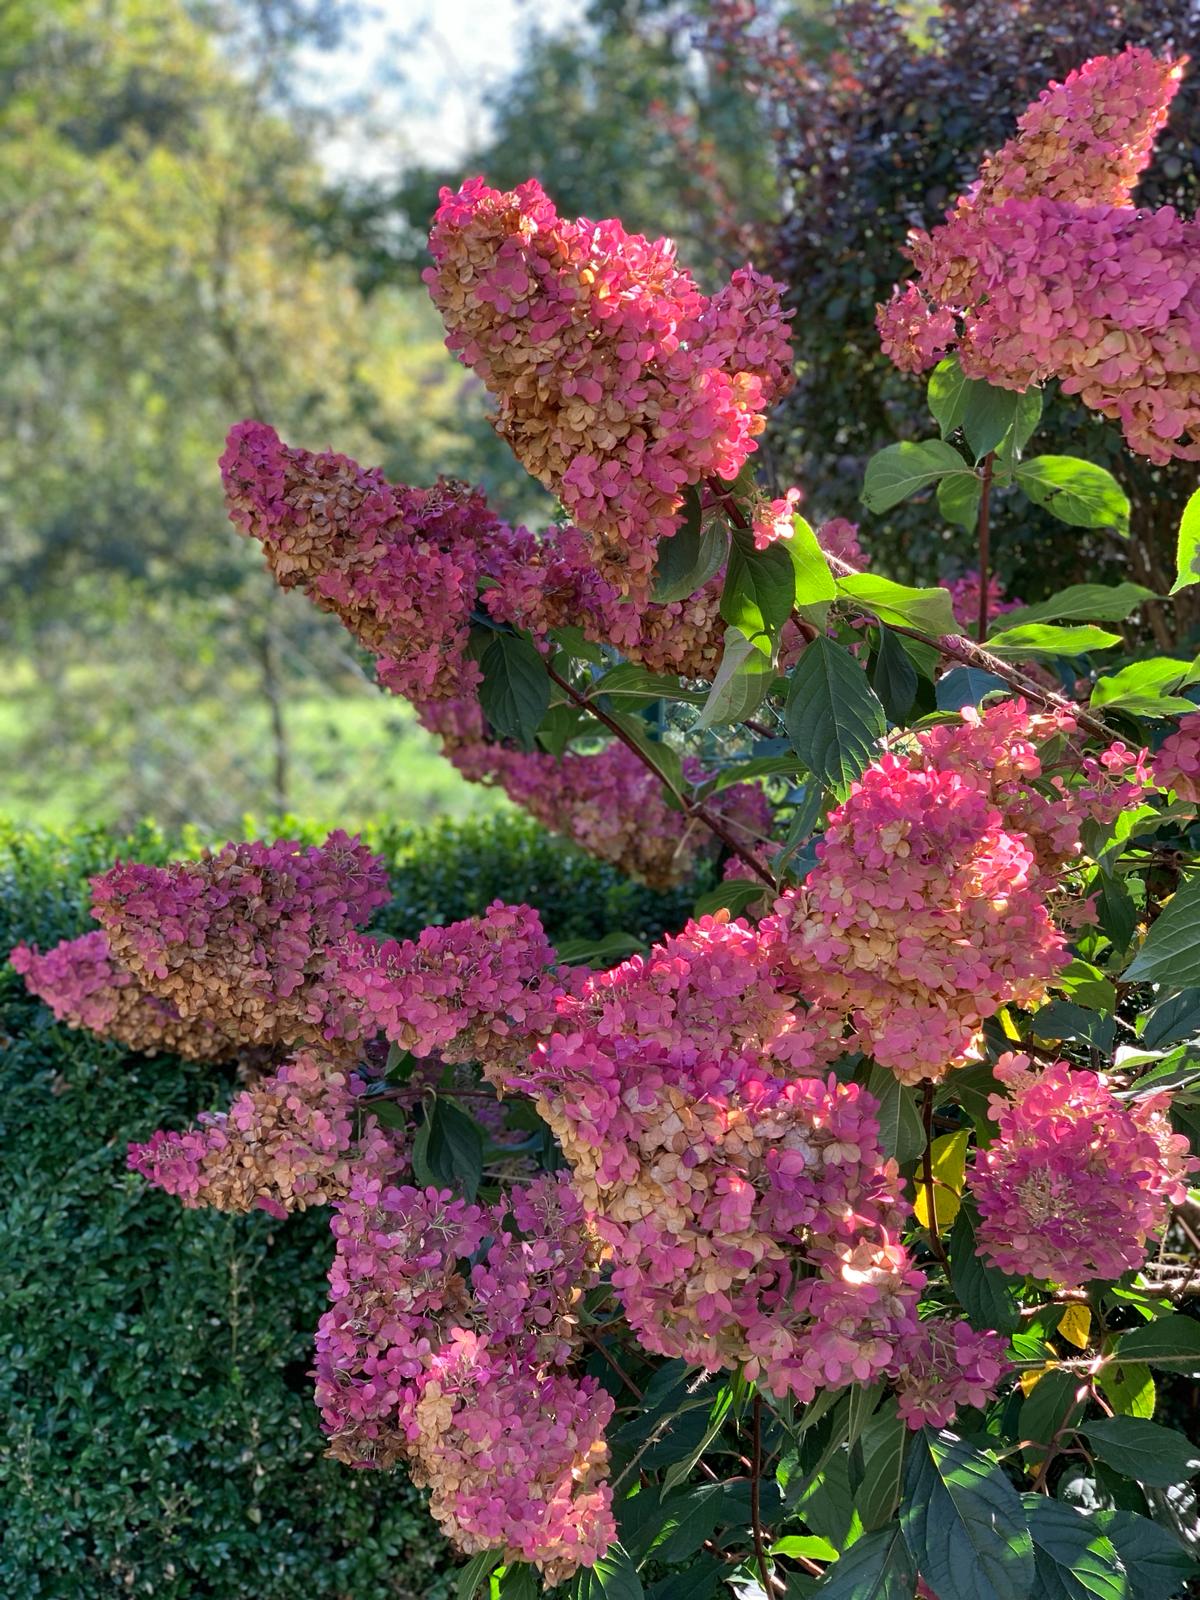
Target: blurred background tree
point(192, 231)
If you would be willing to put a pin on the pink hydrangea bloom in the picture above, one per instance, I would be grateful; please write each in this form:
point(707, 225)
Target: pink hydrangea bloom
point(469, 1380)
point(477, 990)
point(944, 1365)
point(1051, 273)
point(617, 383)
point(1177, 761)
point(964, 597)
point(1077, 1179)
point(293, 1141)
point(86, 988)
point(839, 537)
point(245, 935)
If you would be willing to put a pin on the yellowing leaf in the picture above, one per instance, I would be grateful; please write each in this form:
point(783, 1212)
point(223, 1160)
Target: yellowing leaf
point(1029, 1380)
point(1009, 1027)
point(949, 1155)
point(1076, 1326)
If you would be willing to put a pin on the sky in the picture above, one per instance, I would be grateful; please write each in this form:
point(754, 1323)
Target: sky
point(434, 59)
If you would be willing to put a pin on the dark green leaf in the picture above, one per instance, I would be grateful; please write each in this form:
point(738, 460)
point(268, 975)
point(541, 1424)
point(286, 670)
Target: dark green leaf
point(883, 1442)
point(685, 1520)
point(448, 1149)
point(959, 497)
point(734, 896)
point(1077, 492)
point(894, 678)
point(988, 416)
point(1143, 1450)
point(901, 1132)
point(1052, 1404)
point(833, 717)
point(629, 682)
point(1115, 910)
point(519, 1582)
point(663, 757)
point(987, 1295)
point(900, 470)
point(698, 1582)
point(1173, 1019)
point(475, 1571)
point(877, 1567)
point(928, 609)
point(689, 558)
point(515, 692)
point(1075, 1559)
point(722, 1403)
point(963, 1521)
point(614, 1577)
point(1028, 415)
point(1172, 1342)
point(965, 686)
point(613, 947)
point(757, 767)
point(1188, 549)
point(1170, 952)
point(1156, 1563)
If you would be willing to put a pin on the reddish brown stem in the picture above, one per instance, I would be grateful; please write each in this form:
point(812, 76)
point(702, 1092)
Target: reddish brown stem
point(690, 807)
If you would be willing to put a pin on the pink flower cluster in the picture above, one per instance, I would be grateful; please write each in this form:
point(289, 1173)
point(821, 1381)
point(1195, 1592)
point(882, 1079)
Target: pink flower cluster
point(606, 801)
point(839, 537)
point(244, 935)
point(477, 990)
point(467, 1378)
point(1051, 274)
point(965, 597)
point(944, 1365)
point(86, 988)
point(618, 384)
point(752, 1222)
point(927, 910)
point(1177, 760)
point(1077, 1179)
point(294, 1140)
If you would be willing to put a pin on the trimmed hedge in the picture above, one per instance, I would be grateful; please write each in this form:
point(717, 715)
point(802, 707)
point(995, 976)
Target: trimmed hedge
point(153, 1361)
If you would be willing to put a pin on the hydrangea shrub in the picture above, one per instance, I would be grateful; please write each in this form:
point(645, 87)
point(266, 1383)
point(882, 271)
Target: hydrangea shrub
point(842, 1241)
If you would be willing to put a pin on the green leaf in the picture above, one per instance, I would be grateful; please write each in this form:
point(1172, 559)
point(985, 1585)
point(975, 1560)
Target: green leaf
point(760, 590)
point(663, 757)
point(606, 951)
point(964, 1522)
point(717, 1416)
point(804, 1544)
point(690, 557)
point(1075, 1559)
point(930, 610)
point(814, 581)
point(1188, 550)
point(833, 717)
point(901, 470)
point(685, 1520)
point(614, 1577)
point(1115, 910)
point(734, 896)
point(1077, 492)
point(1173, 1019)
point(741, 683)
point(1147, 687)
point(1143, 1450)
point(699, 1582)
point(1128, 1386)
point(894, 678)
point(629, 682)
point(948, 391)
point(475, 1571)
point(959, 497)
point(987, 1295)
point(1084, 602)
point(515, 692)
point(1028, 415)
point(901, 1132)
point(988, 415)
point(517, 1582)
point(1172, 1342)
point(448, 1149)
point(1156, 1564)
point(1042, 639)
point(1170, 952)
point(883, 1442)
point(877, 1567)
point(788, 766)
point(965, 686)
